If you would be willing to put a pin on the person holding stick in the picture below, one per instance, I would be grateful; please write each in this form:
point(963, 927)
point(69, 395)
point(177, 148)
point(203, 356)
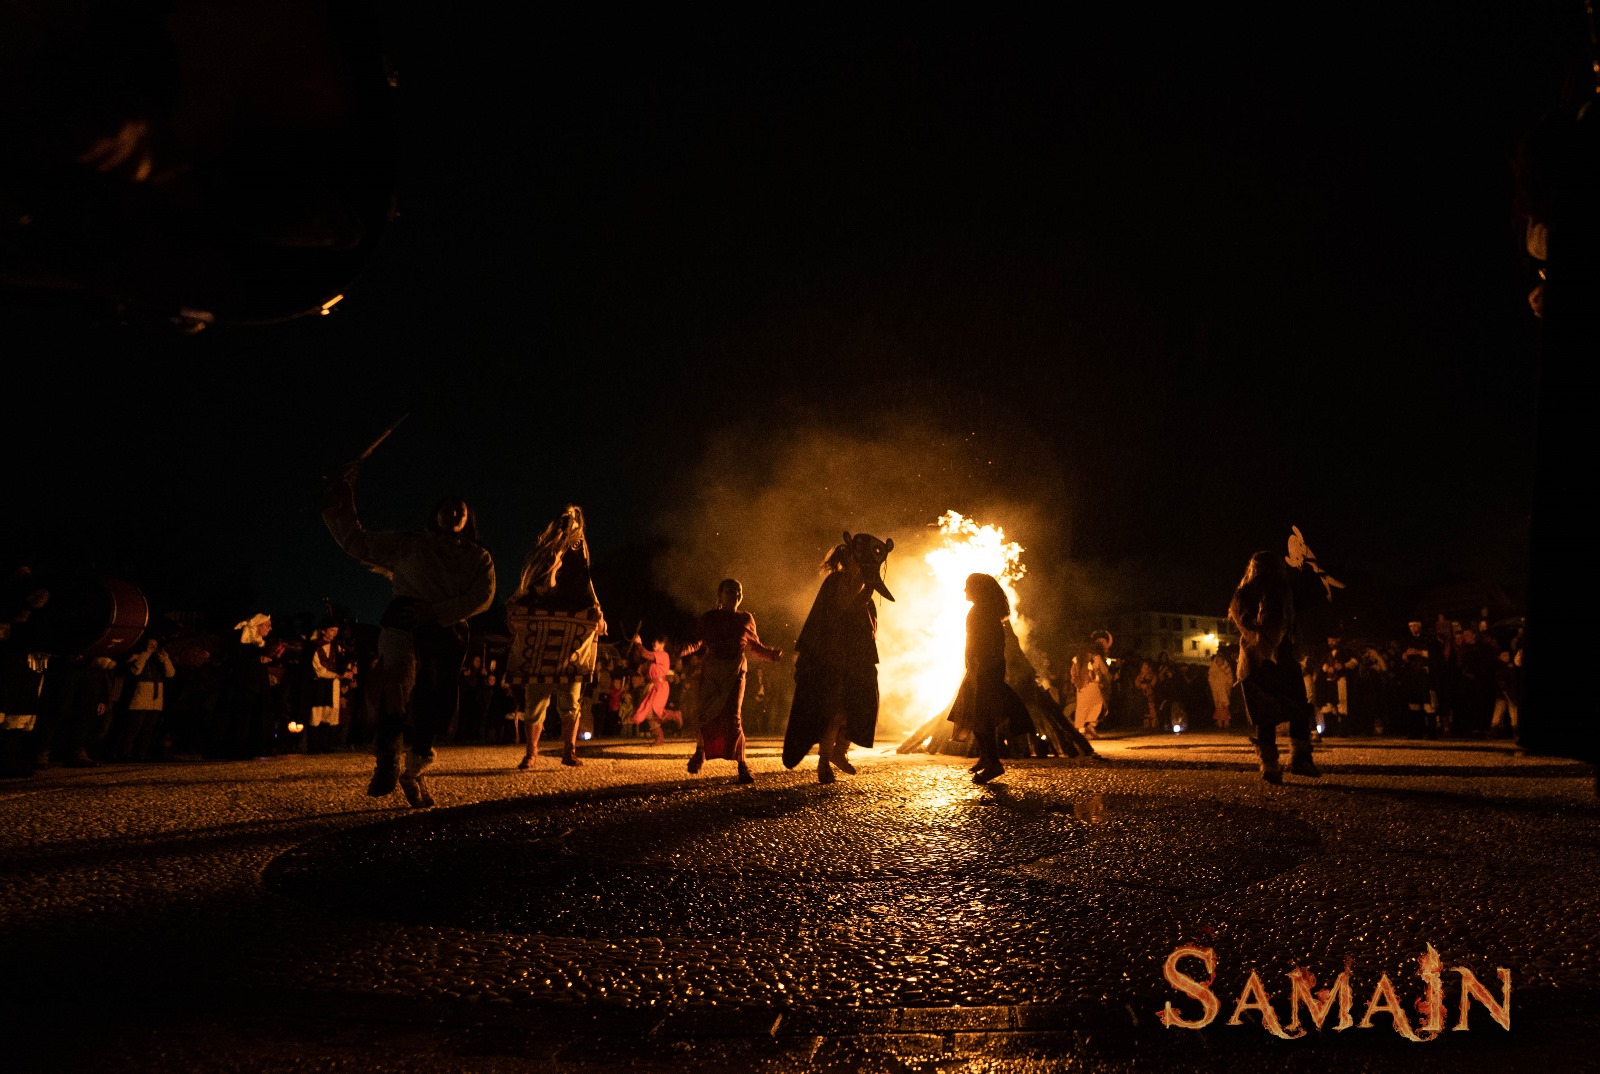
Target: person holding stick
point(441, 577)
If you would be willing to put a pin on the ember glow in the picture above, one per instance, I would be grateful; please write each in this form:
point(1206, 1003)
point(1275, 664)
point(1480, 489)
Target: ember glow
point(922, 636)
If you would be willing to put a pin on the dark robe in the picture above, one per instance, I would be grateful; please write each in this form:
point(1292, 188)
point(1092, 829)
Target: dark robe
point(836, 668)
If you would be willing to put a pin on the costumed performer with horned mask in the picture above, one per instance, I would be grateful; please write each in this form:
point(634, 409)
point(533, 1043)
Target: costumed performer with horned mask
point(836, 665)
point(441, 577)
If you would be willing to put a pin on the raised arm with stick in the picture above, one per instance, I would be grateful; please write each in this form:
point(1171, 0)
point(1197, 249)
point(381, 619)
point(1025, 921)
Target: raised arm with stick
point(441, 577)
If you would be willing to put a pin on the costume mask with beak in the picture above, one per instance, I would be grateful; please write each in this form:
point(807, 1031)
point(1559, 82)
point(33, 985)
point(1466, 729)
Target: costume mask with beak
point(868, 553)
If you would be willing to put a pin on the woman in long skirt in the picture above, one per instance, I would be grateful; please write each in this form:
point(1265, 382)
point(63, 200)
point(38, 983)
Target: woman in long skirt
point(726, 635)
point(652, 707)
point(984, 704)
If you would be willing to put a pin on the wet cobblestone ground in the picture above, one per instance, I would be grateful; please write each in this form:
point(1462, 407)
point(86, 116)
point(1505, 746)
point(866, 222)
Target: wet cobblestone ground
point(269, 916)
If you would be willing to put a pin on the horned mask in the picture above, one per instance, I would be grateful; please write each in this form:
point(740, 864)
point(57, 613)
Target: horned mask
point(869, 553)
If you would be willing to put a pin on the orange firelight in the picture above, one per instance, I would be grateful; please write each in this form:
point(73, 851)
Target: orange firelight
point(922, 637)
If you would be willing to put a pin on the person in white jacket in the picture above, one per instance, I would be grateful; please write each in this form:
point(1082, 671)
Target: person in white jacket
point(441, 577)
point(149, 671)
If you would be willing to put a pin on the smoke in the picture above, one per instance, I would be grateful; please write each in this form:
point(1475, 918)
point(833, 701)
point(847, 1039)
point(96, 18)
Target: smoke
point(768, 499)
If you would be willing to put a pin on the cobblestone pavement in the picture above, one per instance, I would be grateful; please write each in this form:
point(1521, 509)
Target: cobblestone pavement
point(267, 916)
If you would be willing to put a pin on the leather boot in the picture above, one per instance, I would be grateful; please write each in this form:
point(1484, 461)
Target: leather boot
point(384, 775)
point(1300, 762)
point(841, 760)
point(569, 757)
point(412, 783)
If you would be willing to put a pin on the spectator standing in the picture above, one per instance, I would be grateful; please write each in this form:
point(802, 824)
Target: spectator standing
point(149, 671)
point(1091, 683)
point(1220, 679)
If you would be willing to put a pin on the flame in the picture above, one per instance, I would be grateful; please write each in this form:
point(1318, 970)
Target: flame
point(922, 636)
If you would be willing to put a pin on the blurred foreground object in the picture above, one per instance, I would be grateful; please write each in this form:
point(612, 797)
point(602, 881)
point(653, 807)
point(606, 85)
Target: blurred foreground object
point(191, 163)
point(1558, 191)
point(83, 614)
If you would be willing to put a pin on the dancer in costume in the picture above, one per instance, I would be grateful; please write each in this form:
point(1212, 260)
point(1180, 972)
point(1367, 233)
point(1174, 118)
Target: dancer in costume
point(836, 668)
point(555, 581)
point(984, 704)
point(651, 709)
point(1262, 609)
point(726, 635)
point(441, 577)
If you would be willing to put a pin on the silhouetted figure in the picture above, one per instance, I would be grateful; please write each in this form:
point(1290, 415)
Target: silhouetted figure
point(985, 706)
point(836, 666)
point(1270, 682)
point(726, 635)
point(441, 577)
point(246, 707)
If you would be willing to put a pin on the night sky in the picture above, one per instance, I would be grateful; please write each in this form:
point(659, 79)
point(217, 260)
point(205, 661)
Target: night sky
point(1173, 284)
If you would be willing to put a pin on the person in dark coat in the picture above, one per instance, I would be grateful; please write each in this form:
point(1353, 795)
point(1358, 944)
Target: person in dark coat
point(836, 666)
point(1262, 609)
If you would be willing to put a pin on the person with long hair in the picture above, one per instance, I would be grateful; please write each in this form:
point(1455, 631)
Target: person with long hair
point(441, 577)
point(726, 636)
point(555, 580)
point(1262, 609)
point(985, 705)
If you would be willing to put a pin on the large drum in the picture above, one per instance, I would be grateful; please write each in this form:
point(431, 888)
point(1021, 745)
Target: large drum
point(87, 615)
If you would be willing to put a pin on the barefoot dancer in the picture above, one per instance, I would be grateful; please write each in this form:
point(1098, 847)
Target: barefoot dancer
point(836, 670)
point(726, 635)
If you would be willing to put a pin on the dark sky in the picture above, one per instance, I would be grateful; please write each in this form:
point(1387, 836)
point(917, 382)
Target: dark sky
point(1211, 277)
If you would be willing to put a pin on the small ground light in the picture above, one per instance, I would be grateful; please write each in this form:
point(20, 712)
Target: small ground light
point(587, 735)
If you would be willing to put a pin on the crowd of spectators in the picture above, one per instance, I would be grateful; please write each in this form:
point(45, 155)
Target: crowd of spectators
point(187, 690)
point(1439, 680)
